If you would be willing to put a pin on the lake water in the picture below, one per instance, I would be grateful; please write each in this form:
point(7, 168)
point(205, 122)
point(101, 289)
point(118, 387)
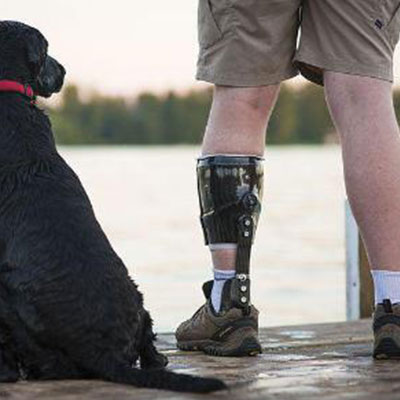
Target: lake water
point(145, 199)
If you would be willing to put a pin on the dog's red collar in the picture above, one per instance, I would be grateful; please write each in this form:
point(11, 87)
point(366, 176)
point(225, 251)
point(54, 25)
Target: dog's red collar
point(16, 87)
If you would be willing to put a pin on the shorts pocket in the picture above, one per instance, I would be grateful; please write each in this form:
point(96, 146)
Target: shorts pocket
point(208, 31)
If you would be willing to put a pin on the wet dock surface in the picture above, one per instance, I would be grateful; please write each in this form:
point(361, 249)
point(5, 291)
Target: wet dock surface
point(329, 361)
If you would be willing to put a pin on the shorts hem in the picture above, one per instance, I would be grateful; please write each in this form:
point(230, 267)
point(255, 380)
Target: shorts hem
point(240, 80)
point(334, 65)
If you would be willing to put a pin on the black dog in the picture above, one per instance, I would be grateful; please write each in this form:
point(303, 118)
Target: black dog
point(68, 308)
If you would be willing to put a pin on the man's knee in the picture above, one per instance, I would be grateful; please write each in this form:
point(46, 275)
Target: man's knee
point(257, 99)
point(355, 91)
point(359, 103)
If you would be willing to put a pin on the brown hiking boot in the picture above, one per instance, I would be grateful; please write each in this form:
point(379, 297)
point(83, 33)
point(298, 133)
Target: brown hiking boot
point(387, 331)
point(231, 332)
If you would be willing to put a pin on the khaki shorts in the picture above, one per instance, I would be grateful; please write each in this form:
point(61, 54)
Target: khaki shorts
point(263, 42)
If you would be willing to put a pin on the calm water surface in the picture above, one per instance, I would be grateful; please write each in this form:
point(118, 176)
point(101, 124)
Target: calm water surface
point(145, 198)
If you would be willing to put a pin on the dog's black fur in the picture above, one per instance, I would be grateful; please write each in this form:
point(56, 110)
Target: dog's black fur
point(68, 308)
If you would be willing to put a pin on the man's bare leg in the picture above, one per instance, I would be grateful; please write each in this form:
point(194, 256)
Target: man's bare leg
point(230, 176)
point(237, 126)
point(362, 109)
point(364, 115)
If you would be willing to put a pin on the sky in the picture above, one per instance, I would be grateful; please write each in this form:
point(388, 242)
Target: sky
point(121, 47)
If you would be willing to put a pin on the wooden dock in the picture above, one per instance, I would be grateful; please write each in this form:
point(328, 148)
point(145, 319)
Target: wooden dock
point(325, 361)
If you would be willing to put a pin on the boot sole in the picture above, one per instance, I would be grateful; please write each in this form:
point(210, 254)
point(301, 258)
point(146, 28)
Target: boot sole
point(387, 349)
point(247, 347)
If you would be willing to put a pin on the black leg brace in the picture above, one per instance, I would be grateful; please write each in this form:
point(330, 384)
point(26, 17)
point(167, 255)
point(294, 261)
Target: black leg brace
point(230, 191)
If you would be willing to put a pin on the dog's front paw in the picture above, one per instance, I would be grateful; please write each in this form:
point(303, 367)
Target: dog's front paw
point(157, 361)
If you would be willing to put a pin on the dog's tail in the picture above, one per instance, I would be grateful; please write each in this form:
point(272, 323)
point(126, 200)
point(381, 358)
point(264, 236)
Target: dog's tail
point(157, 379)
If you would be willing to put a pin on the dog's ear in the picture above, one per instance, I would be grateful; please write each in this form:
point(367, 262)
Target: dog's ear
point(36, 53)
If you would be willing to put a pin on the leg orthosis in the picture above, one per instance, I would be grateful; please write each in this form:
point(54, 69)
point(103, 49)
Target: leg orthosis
point(230, 192)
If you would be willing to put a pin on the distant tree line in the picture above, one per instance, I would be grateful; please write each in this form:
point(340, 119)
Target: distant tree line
point(300, 116)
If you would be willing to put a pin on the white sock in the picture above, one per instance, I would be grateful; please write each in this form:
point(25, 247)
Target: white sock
point(387, 286)
point(220, 277)
point(222, 246)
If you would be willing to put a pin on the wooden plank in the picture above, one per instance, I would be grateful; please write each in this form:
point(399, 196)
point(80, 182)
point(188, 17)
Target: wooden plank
point(326, 361)
point(352, 265)
point(297, 336)
point(359, 284)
